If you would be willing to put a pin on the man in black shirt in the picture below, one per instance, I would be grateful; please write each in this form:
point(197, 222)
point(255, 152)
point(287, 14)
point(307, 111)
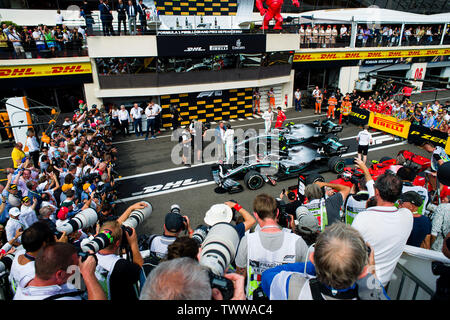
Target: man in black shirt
point(293, 203)
point(122, 16)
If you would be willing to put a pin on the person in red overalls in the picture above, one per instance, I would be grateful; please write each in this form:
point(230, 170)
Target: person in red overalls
point(280, 118)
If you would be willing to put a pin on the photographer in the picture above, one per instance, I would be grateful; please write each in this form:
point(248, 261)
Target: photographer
point(117, 275)
point(174, 224)
point(360, 193)
point(185, 279)
point(326, 210)
point(291, 206)
point(33, 239)
point(342, 265)
point(229, 212)
point(269, 246)
point(53, 270)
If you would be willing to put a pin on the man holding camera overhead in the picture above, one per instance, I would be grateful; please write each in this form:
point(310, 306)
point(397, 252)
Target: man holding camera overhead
point(174, 224)
point(267, 247)
point(118, 276)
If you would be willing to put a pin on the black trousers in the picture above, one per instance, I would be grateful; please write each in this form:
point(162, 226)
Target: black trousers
point(35, 157)
point(124, 127)
point(122, 20)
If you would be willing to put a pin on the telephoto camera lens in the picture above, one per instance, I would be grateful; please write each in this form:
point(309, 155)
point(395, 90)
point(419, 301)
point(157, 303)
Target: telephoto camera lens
point(175, 209)
point(86, 218)
point(219, 248)
point(100, 241)
point(200, 234)
point(138, 216)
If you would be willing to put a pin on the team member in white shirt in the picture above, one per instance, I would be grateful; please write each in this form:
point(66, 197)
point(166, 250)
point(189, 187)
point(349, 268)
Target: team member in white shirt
point(385, 227)
point(229, 143)
point(364, 138)
point(268, 118)
point(124, 119)
point(151, 112)
point(136, 116)
point(33, 147)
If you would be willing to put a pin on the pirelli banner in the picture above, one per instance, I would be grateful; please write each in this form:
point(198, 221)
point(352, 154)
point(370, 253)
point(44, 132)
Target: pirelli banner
point(208, 106)
point(43, 70)
point(389, 124)
point(372, 54)
point(421, 134)
point(359, 116)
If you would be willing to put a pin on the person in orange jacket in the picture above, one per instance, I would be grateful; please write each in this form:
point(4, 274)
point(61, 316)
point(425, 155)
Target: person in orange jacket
point(332, 102)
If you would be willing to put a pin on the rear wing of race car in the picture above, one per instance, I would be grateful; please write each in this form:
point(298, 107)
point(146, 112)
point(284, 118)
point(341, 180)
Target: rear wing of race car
point(333, 147)
point(327, 126)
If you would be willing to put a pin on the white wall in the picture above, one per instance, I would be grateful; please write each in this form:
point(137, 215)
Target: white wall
point(347, 78)
point(282, 42)
point(123, 46)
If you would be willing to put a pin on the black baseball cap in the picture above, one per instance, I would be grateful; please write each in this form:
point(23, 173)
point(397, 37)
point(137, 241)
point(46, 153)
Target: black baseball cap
point(174, 222)
point(413, 197)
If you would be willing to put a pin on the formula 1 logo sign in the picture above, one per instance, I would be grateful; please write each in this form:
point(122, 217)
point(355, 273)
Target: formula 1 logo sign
point(389, 124)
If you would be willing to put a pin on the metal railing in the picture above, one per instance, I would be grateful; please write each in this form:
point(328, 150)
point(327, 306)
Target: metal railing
point(417, 284)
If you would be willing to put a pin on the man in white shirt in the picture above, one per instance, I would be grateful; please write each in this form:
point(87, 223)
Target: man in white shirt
point(136, 117)
point(38, 37)
point(298, 100)
point(150, 113)
point(124, 118)
point(54, 268)
point(158, 110)
point(27, 212)
point(16, 40)
point(13, 224)
point(59, 19)
point(33, 147)
point(364, 138)
point(268, 118)
point(385, 227)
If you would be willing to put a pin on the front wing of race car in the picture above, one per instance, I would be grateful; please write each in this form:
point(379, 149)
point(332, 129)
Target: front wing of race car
point(226, 184)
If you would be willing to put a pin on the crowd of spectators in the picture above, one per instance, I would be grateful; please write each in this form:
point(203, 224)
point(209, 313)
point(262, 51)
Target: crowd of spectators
point(330, 36)
point(41, 41)
point(389, 36)
point(72, 170)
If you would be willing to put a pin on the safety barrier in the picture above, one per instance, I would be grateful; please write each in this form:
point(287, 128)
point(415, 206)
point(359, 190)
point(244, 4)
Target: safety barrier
point(413, 133)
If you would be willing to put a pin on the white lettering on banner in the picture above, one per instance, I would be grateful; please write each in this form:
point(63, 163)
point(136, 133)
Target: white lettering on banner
point(194, 49)
point(223, 47)
point(217, 93)
point(169, 185)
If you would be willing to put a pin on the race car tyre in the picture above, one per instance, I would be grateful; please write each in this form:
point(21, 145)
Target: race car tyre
point(443, 173)
point(385, 159)
point(336, 164)
point(253, 180)
point(313, 177)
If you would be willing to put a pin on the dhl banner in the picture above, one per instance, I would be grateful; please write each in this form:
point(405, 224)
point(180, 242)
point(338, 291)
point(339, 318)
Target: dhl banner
point(43, 70)
point(389, 124)
point(363, 55)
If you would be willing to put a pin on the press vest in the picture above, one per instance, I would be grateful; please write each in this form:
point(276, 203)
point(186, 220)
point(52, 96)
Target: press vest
point(318, 209)
point(421, 191)
point(104, 270)
point(260, 259)
point(353, 206)
point(444, 156)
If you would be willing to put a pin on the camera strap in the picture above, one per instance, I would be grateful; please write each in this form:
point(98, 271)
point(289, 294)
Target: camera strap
point(66, 294)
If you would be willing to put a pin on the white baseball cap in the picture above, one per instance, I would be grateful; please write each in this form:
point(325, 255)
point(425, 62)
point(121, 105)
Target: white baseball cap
point(218, 213)
point(15, 212)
